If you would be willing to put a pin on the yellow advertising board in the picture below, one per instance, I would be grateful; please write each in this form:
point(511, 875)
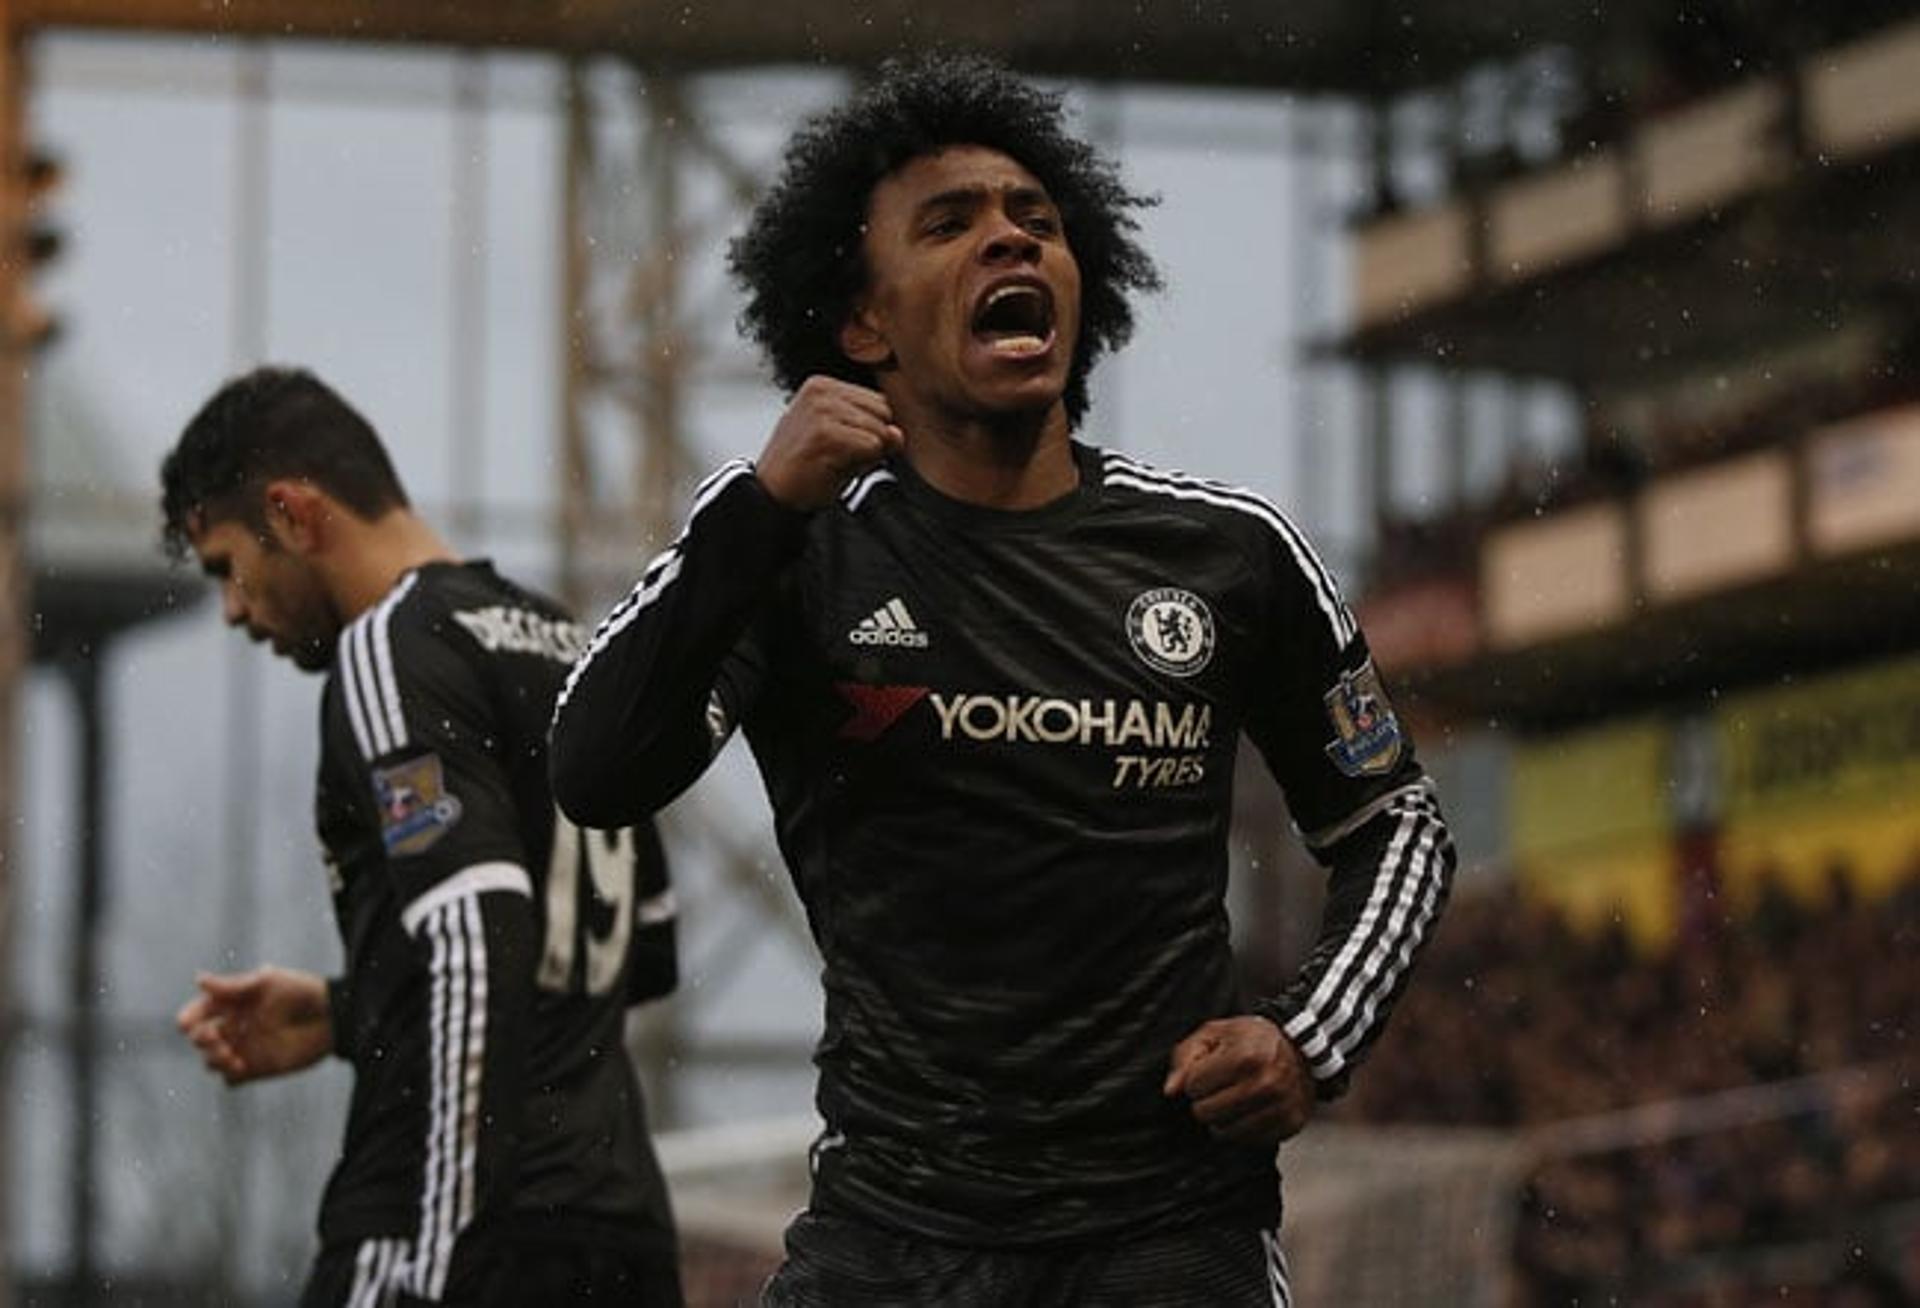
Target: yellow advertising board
point(1632, 882)
point(1605, 785)
point(1823, 775)
point(1592, 831)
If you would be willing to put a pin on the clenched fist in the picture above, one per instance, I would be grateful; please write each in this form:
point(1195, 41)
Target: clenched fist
point(1245, 1080)
point(831, 432)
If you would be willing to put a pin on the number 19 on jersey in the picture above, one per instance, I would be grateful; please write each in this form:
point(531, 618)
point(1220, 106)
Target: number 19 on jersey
point(588, 922)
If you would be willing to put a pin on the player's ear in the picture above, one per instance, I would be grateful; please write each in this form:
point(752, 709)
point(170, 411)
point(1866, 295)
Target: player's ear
point(296, 514)
point(863, 340)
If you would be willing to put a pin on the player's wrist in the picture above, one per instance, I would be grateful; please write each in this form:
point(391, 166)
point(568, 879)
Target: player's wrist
point(1281, 1013)
point(785, 489)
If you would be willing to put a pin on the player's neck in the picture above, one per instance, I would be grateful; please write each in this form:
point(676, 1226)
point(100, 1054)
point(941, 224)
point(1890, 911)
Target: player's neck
point(375, 555)
point(1018, 464)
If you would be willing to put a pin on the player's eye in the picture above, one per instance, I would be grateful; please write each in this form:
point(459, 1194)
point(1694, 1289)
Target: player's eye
point(947, 224)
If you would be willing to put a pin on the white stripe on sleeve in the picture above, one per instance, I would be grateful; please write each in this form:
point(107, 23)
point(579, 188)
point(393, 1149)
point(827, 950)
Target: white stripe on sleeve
point(382, 639)
point(457, 1039)
point(469, 882)
point(654, 580)
point(367, 676)
point(1337, 1018)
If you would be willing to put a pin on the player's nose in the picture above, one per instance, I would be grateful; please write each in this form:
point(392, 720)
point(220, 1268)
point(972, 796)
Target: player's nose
point(1009, 242)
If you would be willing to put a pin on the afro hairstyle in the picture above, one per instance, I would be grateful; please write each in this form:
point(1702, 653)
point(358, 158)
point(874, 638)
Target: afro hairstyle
point(801, 260)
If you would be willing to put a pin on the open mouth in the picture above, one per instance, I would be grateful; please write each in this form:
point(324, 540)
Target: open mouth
point(1015, 319)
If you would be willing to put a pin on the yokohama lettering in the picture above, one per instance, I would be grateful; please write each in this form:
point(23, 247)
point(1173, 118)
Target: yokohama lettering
point(1042, 720)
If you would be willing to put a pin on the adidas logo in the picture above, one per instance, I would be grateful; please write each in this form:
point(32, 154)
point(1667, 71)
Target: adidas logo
point(890, 624)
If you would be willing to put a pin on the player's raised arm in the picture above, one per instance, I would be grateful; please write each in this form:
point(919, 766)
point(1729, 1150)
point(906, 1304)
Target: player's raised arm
point(667, 675)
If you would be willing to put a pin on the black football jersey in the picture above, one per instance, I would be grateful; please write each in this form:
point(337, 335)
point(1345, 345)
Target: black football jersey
point(999, 747)
point(492, 947)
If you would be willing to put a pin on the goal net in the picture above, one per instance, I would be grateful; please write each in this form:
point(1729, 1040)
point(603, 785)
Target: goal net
point(1399, 1216)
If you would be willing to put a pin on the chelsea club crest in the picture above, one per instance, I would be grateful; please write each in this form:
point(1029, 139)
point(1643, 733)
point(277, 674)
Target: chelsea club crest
point(1171, 630)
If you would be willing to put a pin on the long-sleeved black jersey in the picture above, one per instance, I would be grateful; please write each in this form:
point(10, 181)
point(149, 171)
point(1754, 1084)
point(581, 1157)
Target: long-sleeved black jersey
point(999, 747)
point(492, 947)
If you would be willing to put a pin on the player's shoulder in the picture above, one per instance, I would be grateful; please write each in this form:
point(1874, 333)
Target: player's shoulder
point(370, 636)
point(375, 659)
point(489, 616)
point(412, 631)
point(1236, 510)
point(1274, 546)
point(442, 633)
point(448, 588)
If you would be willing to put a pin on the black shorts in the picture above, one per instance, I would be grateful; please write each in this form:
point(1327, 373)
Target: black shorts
point(838, 1262)
point(526, 1272)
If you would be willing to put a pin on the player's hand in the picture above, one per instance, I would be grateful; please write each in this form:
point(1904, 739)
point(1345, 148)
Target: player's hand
point(267, 1022)
point(831, 432)
point(1246, 1081)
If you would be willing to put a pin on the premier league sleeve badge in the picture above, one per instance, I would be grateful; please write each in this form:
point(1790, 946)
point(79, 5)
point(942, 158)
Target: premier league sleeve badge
point(415, 808)
point(1366, 735)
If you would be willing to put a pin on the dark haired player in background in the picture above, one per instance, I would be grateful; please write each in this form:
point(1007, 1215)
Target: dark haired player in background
point(993, 678)
point(496, 1149)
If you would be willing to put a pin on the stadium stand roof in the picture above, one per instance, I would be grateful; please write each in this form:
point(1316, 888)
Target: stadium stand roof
point(1776, 269)
point(1358, 47)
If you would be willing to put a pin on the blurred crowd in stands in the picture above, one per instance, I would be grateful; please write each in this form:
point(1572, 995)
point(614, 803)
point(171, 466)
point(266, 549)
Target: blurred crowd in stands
point(1735, 1120)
